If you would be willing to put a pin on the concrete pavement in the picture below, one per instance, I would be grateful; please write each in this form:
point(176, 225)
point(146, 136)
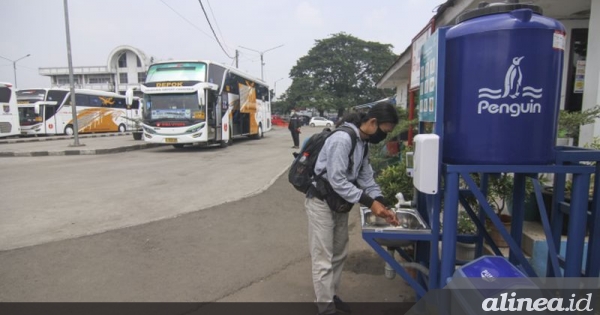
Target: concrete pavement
point(104, 143)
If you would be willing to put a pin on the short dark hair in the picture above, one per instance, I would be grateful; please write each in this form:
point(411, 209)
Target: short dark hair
point(384, 113)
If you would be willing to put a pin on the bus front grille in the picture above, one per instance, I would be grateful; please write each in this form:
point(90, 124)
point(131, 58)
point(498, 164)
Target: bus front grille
point(5, 127)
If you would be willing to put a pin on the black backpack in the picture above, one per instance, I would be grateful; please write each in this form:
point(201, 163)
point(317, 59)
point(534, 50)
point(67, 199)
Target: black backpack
point(301, 173)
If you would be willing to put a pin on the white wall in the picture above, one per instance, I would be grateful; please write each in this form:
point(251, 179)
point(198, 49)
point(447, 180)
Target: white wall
point(402, 95)
point(591, 97)
point(569, 25)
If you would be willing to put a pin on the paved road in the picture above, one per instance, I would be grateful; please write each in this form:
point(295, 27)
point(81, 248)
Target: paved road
point(58, 197)
point(156, 226)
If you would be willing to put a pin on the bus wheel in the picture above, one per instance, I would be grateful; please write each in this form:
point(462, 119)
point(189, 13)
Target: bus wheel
point(122, 128)
point(69, 130)
point(178, 146)
point(260, 133)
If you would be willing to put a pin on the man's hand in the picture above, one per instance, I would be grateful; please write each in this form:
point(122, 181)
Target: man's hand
point(379, 210)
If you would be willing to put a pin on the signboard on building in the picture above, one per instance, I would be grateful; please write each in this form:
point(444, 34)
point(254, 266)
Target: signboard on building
point(430, 73)
point(415, 66)
point(579, 77)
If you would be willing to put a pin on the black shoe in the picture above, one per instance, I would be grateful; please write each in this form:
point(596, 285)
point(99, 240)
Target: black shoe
point(341, 306)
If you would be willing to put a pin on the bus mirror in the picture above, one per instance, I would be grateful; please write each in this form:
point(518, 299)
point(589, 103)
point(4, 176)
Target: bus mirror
point(212, 86)
point(129, 97)
point(36, 107)
point(201, 98)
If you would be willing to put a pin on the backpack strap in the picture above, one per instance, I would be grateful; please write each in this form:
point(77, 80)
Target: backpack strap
point(353, 138)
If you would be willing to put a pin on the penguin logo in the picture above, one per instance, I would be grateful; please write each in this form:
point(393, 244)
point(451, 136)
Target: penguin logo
point(513, 78)
point(513, 87)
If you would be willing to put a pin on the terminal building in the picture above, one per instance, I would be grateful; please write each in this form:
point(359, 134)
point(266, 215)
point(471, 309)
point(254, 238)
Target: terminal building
point(125, 67)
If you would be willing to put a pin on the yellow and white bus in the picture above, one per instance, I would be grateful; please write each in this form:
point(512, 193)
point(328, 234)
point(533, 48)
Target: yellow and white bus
point(48, 111)
point(187, 102)
point(9, 117)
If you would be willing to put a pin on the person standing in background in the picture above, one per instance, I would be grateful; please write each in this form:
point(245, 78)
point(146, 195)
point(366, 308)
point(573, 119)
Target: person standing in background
point(294, 128)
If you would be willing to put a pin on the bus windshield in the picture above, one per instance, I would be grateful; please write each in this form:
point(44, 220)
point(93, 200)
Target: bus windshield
point(30, 96)
point(174, 106)
point(28, 117)
point(179, 71)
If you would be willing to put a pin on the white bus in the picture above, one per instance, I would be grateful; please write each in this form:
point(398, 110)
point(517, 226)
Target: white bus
point(9, 118)
point(48, 111)
point(187, 102)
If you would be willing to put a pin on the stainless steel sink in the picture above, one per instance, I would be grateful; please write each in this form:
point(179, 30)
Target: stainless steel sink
point(410, 220)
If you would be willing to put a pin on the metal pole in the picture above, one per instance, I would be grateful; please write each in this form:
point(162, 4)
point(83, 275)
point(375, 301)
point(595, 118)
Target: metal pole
point(15, 72)
point(14, 62)
point(261, 58)
point(237, 57)
point(71, 79)
point(262, 64)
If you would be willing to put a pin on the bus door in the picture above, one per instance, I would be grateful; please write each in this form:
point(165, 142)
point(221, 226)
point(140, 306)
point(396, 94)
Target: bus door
point(213, 114)
point(132, 112)
point(47, 112)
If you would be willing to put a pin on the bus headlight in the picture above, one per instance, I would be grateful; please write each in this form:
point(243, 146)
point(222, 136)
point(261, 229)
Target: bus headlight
point(197, 135)
point(195, 129)
point(149, 130)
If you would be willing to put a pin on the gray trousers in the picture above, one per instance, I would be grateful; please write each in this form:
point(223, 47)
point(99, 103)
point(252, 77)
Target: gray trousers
point(328, 242)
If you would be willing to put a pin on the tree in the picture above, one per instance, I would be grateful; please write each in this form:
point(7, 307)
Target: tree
point(339, 72)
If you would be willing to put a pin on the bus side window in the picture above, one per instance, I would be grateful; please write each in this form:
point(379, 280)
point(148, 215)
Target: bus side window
point(82, 100)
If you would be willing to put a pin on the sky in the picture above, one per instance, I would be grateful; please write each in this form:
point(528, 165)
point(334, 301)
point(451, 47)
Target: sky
point(177, 29)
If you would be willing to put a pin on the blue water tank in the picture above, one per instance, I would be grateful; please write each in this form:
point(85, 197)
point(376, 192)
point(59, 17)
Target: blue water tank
point(502, 86)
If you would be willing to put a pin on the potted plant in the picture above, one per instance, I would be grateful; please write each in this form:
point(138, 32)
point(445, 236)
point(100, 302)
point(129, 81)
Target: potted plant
point(465, 226)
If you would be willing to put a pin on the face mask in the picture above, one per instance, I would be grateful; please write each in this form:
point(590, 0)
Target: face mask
point(378, 136)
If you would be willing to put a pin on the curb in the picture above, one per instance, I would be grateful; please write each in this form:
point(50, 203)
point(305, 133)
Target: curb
point(34, 139)
point(80, 152)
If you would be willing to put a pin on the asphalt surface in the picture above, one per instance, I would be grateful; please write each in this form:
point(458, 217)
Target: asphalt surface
point(220, 253)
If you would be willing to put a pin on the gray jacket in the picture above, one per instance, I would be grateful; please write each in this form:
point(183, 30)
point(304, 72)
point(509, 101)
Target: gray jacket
point(334, 158)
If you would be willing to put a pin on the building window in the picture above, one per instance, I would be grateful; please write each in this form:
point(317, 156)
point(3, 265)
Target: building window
point(123, 78)
point(141, 77)
point(139, 62)
point(100, 79)
point(123, 61)
point(64, 80)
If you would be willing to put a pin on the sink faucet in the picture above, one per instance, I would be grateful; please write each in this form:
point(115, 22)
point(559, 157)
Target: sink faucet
point(402, 202)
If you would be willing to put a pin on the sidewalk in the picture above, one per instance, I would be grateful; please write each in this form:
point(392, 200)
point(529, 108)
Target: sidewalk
point(104, 143)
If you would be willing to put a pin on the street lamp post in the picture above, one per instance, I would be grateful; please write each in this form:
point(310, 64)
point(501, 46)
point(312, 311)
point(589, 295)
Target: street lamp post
point(275, 86)
point(71, 79)
point(14, 62)
point(261, 58)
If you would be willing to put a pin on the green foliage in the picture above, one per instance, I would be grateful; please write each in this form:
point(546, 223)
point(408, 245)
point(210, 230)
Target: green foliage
point(570, 122)
point(394, 179)
point(338, 72)
point(465, 225)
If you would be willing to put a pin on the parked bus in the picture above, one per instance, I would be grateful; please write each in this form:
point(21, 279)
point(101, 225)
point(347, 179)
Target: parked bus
point(9, 117)
point(48, 111)
point(187, 102)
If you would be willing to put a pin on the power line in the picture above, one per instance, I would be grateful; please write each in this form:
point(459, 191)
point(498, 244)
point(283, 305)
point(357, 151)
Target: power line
point(213, 30)
point(183, 17)
point(217, 23)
